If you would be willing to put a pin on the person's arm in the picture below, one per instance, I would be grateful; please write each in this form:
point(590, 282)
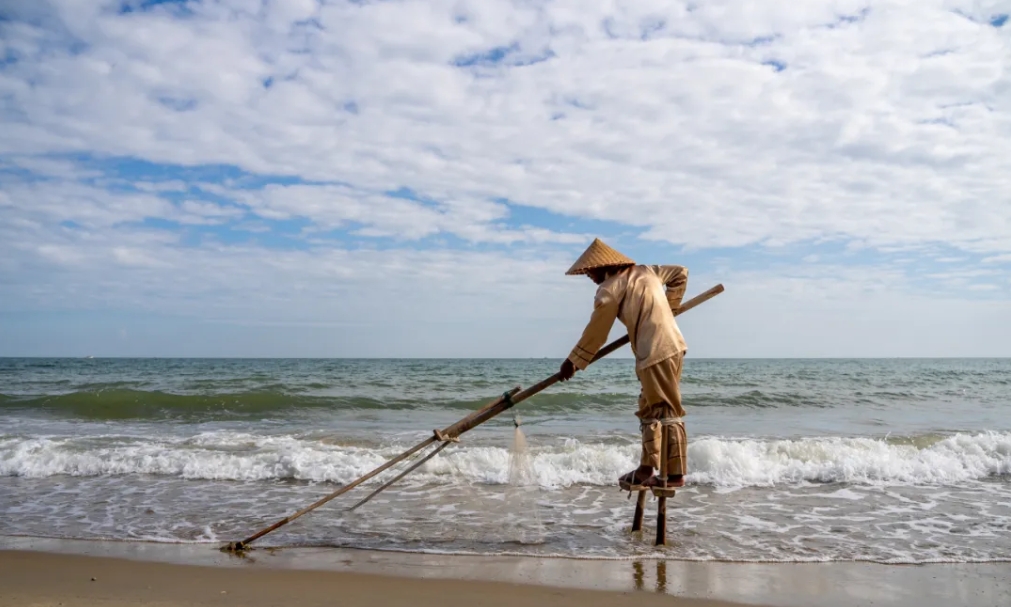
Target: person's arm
point(605, 311)
point(675, 278)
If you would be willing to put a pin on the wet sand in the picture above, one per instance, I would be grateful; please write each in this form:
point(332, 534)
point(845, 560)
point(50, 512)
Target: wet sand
point(46, 572)
point(44, 579)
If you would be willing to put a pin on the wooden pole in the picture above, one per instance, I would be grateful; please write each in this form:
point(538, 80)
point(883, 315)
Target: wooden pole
point(640, 505)
point(661, 508)
point(241, 545)
point(413, 467)
point(492, 409)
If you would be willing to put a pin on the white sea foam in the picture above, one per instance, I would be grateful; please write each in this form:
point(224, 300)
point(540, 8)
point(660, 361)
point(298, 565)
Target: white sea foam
point(212, 456)
point(155, 489)
point(950, 460)
point(714, 461)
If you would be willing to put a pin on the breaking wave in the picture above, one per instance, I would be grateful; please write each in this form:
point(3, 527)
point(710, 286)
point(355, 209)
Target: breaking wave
point(714, 461)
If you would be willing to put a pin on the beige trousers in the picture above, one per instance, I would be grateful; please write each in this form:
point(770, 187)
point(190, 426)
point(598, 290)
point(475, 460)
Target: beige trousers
point(660, 398)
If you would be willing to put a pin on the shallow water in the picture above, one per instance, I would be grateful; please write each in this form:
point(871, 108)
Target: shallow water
point(806, 460)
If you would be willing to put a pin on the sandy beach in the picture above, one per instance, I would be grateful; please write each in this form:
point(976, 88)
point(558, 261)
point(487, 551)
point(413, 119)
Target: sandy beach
point(39, 572)
point(45, 579)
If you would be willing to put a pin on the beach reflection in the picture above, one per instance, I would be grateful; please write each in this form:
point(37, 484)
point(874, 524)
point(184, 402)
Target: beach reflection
point(639, 576)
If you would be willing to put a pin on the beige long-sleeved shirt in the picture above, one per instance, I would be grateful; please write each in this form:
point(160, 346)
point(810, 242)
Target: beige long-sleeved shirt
point(642, 298)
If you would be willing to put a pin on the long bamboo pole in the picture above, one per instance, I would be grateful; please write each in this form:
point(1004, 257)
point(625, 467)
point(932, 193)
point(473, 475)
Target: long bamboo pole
point(688, 305)
point(492, 409)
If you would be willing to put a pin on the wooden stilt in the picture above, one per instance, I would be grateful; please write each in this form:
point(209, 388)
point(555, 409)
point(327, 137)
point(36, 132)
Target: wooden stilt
point(661, 522)
point(661, 509)
point(640, 505)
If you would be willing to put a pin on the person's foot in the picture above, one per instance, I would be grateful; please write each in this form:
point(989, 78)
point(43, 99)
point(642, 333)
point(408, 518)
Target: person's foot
point(638, 477)
point(675, 480)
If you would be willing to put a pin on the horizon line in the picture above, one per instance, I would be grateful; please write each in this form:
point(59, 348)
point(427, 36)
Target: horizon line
point(629, 358)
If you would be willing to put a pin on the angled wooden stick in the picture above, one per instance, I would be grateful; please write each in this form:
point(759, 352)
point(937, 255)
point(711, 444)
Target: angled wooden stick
point(413, 467)
point(503, 403)
point(241, 545)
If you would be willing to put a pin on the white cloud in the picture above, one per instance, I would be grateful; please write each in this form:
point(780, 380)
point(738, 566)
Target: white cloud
point(381, 215)
point(111, 268)
point(48, 167)
point(883, 127)
point(54, 202)
point(207, 213)
point(326, 301)
point(892, 128)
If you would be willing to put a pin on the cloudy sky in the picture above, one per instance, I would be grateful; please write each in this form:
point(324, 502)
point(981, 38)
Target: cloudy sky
point(412, 178)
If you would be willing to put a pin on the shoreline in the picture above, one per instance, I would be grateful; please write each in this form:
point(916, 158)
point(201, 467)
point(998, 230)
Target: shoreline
point(374, 578)
point(42, 578)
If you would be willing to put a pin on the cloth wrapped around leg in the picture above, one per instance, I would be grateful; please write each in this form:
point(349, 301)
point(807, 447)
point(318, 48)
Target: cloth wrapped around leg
point(659, 400)
point(677, 445)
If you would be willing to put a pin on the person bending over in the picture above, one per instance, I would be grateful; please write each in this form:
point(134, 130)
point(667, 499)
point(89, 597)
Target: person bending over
point(643, 298)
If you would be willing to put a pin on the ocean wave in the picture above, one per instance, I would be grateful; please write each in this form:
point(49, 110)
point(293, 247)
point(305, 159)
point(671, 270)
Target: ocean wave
point(756, 399)
point(123, 404)
point(714, 461)
point(118, 401)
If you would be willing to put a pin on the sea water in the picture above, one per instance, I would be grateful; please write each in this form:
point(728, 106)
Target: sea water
point(901, 461)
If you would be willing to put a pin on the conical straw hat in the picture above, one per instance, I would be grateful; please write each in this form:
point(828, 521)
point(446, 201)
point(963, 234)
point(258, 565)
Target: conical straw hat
point(598, 255)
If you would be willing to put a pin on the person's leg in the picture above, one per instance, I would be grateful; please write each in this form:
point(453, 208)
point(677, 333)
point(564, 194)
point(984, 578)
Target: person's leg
point(677, 455)
point(652, 408)
point(660, 398)
point(652, 439)
point(650, 455)
point(652, 436)
point(664, 389)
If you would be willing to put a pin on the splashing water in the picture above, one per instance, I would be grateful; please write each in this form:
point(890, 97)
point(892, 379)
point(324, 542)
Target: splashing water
point(521, 471)
point(524, 521)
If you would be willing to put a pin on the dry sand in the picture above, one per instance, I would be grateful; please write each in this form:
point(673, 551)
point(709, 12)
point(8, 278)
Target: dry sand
point(40, 579)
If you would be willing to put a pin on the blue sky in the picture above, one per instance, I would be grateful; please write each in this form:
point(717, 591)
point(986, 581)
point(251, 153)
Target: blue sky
point(399, 178)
